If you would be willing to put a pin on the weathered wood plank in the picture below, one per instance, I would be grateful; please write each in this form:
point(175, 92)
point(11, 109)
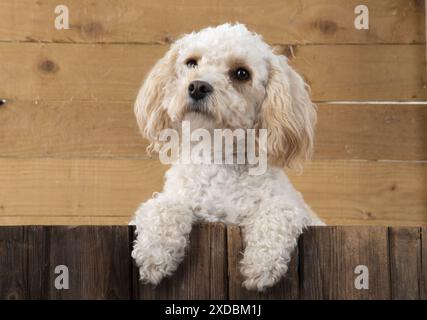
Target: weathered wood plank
point(218, 265)
point(292, 21)
point(364, 192)
point(286, 289)
point(109, 130)
point(316, 259)
point(70, 129)
point(405, 262)
point(76, 187)
point(114, 73)
point(371, 132)
point(355, 72)
point(329, 257)
point(13, 263)
point(97, 259)
point(40, 271)
point(202, 274)
point(63, 220)
point(89, 191)
point(423, 284)
point(363, 246)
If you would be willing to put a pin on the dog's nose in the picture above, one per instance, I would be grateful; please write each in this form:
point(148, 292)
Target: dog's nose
point(199, 89)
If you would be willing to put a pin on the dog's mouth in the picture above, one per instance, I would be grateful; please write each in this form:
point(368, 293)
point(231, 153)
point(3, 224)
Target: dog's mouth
point(198, 108)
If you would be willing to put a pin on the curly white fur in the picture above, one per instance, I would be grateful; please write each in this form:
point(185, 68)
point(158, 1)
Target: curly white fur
point(270, 211)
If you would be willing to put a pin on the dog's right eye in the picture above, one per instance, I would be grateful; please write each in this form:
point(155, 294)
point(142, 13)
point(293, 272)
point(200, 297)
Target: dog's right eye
point(192, 63)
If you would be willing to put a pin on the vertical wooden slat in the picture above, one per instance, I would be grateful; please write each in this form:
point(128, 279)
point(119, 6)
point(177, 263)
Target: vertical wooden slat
point(330, 256)
point(97, 258)
point(287, 288)
point(423, 284)
point(316, 263)
point(218, 273)
point(195, 277)
point(13, 263)
point(234, 251)
point(405, 262)
point(38, 245)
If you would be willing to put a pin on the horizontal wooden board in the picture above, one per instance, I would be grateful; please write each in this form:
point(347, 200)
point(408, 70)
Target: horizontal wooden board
point(291, 21)
point(371, 132)
point(67, 129)
point(354, 72)
point(83, 129)
point(35, 72)
point(366, 193)
point(76, 187)
point(341, 192)
point(14, 220)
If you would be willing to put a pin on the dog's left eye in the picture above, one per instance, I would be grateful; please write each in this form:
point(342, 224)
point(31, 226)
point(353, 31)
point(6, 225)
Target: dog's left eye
point(192, 63)
point(241, 74)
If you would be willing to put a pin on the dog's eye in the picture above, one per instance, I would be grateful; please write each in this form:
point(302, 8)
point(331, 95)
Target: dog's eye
point(241, 74)
point(191, 63)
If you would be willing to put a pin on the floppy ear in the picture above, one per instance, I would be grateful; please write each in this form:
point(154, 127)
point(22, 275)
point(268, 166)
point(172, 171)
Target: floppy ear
point(150, 109)
point(288, 114)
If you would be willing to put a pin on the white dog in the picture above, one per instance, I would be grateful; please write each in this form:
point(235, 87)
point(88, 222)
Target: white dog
point(218, 78)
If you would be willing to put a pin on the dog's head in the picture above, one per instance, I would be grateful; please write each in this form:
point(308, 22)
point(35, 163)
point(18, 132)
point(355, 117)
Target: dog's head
point(227, 77)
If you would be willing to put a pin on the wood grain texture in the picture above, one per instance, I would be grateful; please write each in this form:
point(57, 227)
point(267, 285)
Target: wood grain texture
point(337, 252)
point(90, 129)
point(70, 188)
point(13, 263)
point(405, 263)
point(63, 220)
point(286, 289)
point(354, 72)
point(101, 267)
point(365, 193)
point(202, 274)
point(83, 129)
point(423, 284)
point(341, 192)
point(371, 132)
point(292, 21)
point(97, 259)
point(58, 72)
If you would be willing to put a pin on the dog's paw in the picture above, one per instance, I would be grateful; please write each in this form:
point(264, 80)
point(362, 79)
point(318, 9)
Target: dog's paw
point(153, 267)
point(260, 276)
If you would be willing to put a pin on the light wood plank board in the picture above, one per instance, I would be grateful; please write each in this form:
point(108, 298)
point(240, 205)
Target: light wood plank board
point(342, 192)
point(291, 21)
point(59, 72)
point(90, 129)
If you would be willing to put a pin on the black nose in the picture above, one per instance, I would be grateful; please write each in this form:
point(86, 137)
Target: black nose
point(199, 89)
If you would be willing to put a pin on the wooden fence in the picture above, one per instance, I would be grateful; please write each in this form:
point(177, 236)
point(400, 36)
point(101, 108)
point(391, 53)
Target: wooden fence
point(100, 267)
point(70, 150)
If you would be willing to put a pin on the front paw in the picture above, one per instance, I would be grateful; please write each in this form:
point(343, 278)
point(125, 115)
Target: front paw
point(153, 265)
point(260, 275)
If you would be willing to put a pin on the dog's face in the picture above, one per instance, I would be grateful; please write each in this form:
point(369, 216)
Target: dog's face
point(221, 78)
point(227, 77)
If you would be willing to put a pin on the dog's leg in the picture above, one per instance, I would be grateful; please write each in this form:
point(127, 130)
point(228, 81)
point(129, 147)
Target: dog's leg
point(270, 237)
point(162, 227)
